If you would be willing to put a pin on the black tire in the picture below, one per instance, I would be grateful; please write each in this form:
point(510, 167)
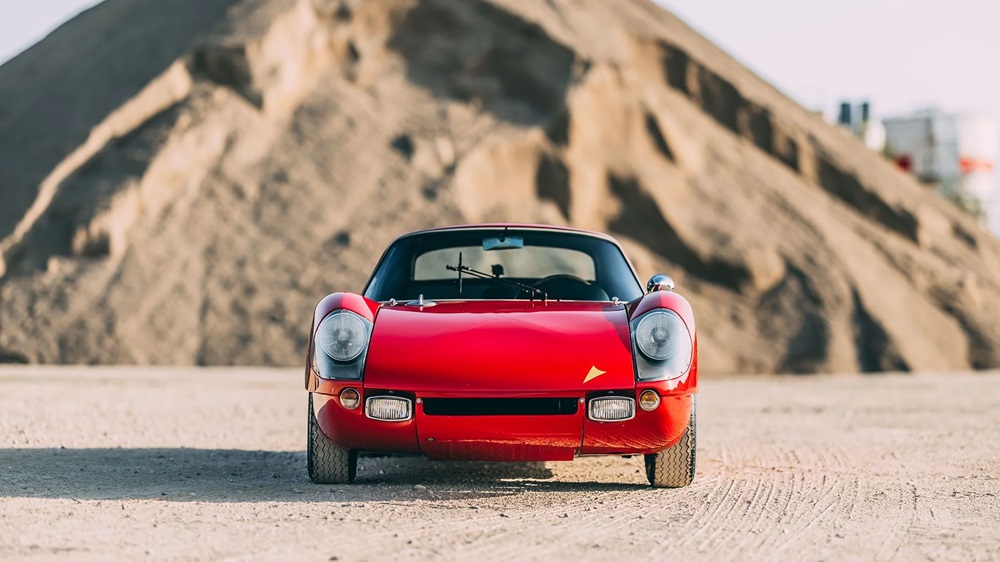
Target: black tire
point(674, 467)
point(328, 463)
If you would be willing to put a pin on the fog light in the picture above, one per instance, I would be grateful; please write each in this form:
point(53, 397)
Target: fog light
point(350, 398)
point(649, 400)
point(388, 408)
point(611, 408)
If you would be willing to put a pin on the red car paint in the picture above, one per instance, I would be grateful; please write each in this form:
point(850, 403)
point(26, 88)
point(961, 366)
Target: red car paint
point(500, 348)
point(351, 429)
point(508, 348)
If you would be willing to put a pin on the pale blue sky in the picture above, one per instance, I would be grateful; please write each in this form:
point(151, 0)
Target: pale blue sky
point(903, 54)
point(25, 22)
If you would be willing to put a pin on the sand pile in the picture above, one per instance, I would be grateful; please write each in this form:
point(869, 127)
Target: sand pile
point(181, 184)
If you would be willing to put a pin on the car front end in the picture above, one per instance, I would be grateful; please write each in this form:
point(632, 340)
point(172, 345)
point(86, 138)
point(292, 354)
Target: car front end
point(503, 379)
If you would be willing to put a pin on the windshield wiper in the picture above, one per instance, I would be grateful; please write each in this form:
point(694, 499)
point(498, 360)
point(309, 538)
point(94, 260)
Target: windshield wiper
point(482, 275)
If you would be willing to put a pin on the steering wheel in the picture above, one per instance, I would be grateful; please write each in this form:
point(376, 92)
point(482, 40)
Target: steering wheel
point(564, 286)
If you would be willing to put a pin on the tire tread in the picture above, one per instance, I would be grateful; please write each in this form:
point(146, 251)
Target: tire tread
point(675, 467)
point(327, 462)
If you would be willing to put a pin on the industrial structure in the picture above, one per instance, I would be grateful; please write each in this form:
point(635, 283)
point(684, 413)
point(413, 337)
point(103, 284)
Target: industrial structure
point(955, 153)
point(859, 120)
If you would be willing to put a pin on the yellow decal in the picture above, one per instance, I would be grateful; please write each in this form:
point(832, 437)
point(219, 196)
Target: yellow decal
point(593, 374)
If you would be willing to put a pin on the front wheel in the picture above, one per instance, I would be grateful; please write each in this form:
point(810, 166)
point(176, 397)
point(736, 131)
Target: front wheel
point(327, 462)
point(674, 467)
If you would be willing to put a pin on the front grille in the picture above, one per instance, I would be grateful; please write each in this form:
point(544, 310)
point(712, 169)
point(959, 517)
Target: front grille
point(500, 406)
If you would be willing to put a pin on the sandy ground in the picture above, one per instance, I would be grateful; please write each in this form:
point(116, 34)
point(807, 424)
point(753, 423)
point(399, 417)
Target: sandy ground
point(180, 464)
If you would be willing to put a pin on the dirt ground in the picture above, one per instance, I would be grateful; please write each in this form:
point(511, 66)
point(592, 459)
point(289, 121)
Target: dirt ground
point(127, 463)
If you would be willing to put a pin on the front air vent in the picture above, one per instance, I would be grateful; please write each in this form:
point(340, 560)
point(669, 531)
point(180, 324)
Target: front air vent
point(500, 406)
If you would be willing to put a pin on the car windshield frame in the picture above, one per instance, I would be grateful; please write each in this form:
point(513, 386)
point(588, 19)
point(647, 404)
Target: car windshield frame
point(615, 276)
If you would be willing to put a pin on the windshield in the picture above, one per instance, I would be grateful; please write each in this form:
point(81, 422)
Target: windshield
point(503, 264)
point(532, 262)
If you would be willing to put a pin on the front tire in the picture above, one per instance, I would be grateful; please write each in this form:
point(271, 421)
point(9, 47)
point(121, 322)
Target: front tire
point(674, 467)
point(327, 462)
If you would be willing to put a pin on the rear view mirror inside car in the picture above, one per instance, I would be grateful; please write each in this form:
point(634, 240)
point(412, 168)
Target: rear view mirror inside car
point(503, 243)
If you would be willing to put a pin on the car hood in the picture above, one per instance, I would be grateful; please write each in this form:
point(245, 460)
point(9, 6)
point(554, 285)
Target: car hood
point(511, 348)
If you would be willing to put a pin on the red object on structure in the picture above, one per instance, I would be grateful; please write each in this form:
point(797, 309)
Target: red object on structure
point(547, 360)
point(905, 162)
point(969, 165)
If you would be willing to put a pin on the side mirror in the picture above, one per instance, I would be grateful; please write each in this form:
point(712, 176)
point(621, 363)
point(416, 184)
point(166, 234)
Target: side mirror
point(659, 282)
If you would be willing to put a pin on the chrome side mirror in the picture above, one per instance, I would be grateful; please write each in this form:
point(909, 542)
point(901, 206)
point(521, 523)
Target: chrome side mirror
point(659, 282)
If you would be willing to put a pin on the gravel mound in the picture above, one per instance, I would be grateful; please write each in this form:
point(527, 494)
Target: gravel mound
point(180, 185)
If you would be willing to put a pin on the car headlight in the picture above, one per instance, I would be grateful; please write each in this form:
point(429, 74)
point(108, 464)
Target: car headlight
point(664, 345)
point(389, 408)
point(611, 408)
point(342, 336)
point(340, 345)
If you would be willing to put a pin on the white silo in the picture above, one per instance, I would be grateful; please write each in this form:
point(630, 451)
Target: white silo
point(954, 152)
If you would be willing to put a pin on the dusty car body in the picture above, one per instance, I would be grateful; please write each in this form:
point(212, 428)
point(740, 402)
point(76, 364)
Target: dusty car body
point(504, 343)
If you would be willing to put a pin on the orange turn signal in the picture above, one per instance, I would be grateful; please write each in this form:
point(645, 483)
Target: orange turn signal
point(350, 398)
point(649, 400)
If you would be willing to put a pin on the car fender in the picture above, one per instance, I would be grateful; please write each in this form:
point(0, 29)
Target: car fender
point(679, 305)
point(363, 307)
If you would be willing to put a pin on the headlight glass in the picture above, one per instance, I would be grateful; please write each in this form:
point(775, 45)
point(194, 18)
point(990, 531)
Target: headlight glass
point(389, 408)
point(611, 408)
point(661, 335)
point(664, 344)
point(342, 336)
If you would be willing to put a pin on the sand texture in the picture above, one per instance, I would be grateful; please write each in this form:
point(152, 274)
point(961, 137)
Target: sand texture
point(188, 464)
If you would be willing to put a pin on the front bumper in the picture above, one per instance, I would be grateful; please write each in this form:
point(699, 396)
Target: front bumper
point(502, 437)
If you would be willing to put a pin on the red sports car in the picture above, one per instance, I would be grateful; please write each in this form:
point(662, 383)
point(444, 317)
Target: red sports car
point(504, 343)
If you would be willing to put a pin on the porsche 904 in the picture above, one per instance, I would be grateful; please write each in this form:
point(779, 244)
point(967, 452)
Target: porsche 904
point(504, 343)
